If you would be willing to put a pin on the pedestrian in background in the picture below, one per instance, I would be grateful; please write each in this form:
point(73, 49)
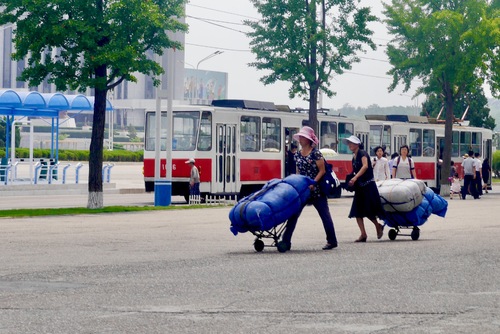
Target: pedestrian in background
point(290, 156)
point(380, 165)
point(486, 171)
point(478, 164)
point(403, 166)
point(366, 202)
point(469, 176)
point(194, 179)
point(391, 161)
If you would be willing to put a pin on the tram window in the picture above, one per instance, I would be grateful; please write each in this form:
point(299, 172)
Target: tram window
point(328, 135)
point(386, 138)
point(271, 134)
point(205, 136)
point(250, 133)
point(476, 142)
point(416, 142)
point(465, 142)
point(429, 143)
point(150, 133)
point(375, 138)
point(345, 131)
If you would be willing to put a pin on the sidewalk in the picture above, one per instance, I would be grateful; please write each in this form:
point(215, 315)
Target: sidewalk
point(126, 187)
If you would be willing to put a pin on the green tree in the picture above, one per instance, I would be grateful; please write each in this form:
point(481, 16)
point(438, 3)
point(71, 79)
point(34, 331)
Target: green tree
point(80, 44)
point(306, 42)
point(132, 132)
point(450, 45)
point(3, 133)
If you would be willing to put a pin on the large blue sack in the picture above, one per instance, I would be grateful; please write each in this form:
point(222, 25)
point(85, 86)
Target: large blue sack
point(277, 201)
point(431, 204)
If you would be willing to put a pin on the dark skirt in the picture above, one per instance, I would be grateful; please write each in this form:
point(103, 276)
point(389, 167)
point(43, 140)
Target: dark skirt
point(366, 202)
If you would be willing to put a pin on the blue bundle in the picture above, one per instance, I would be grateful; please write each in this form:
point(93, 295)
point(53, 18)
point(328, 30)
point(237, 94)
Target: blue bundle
point(277, 201)
point(431, 204)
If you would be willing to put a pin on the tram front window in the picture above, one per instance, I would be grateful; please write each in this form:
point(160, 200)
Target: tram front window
point(185, 127)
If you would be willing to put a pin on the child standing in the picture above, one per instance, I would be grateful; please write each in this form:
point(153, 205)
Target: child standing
point(455, 188)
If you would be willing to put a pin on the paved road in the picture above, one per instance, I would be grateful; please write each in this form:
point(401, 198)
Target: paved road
point(182, 271)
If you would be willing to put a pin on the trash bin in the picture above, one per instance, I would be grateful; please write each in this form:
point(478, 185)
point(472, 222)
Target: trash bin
point(163, 193)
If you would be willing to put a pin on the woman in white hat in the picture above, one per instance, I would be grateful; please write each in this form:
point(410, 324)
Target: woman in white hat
point(366, 202)
point(310, 163)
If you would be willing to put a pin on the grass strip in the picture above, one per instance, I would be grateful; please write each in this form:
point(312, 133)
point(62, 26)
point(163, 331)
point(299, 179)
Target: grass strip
point(21, 213)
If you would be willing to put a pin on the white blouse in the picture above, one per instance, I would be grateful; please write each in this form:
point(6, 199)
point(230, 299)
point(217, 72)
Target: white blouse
point(381, 169)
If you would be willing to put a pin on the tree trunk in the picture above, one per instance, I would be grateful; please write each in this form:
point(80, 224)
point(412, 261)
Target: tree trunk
point(448, 135)
point(313, 110)
point(95, 199)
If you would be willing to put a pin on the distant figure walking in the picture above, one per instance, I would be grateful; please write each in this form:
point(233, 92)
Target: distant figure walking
point(486, 171)
point(194, 178)
point(403, 166)
point(380, 165)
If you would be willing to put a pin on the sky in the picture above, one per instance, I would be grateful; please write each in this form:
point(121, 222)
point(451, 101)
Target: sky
point(217, 26)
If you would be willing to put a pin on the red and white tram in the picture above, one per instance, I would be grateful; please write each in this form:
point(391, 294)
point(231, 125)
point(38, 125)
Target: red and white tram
point(239, 145)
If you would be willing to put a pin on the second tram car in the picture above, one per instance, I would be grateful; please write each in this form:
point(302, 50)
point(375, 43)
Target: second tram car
point(239, 145)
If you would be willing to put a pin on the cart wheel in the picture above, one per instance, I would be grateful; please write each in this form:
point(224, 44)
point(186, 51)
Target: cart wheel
point(393, 234)
point(282, 246)
point(258, 245)
point(415, 234)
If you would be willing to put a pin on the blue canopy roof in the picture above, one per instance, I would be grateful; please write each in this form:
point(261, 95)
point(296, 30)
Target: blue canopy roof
point(37, 104)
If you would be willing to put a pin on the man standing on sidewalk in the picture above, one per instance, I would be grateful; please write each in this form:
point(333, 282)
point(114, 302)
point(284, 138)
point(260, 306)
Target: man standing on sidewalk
point(478, 164)
point(469, 176)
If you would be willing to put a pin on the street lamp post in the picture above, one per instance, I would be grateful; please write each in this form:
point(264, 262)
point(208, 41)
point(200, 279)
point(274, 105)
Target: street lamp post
point(218, 52)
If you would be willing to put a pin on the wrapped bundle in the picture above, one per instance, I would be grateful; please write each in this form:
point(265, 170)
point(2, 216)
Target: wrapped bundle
point(439, 204)
point(415, 217)
point(399, 195)
point(431, 204)
point(277, 201)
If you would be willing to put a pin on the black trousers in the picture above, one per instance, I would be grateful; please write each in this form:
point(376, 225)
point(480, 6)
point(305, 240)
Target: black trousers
point(479, 185)
point(469, 184)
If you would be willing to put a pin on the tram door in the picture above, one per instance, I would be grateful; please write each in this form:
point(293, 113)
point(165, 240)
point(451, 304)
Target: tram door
point(225, 159)
point(289, 132)
point(439, 155)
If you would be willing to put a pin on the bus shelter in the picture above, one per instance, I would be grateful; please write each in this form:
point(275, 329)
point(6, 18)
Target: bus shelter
point(17, 106)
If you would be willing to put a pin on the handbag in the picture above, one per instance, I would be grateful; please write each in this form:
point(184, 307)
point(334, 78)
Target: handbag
point(329, 182)
point(348, 178)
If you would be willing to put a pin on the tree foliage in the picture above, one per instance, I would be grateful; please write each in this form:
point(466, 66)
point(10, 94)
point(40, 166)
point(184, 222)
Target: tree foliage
point(450, 45)
point(3, 133)
point(307, 42)
point(80, 44)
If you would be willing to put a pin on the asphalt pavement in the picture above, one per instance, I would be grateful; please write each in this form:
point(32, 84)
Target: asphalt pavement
point(182, 271)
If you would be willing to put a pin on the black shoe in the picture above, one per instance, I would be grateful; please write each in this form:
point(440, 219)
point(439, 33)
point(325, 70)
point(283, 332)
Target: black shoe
point(329, 246)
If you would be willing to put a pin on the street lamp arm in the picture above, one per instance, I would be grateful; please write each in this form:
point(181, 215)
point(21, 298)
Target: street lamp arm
point(218, 52)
